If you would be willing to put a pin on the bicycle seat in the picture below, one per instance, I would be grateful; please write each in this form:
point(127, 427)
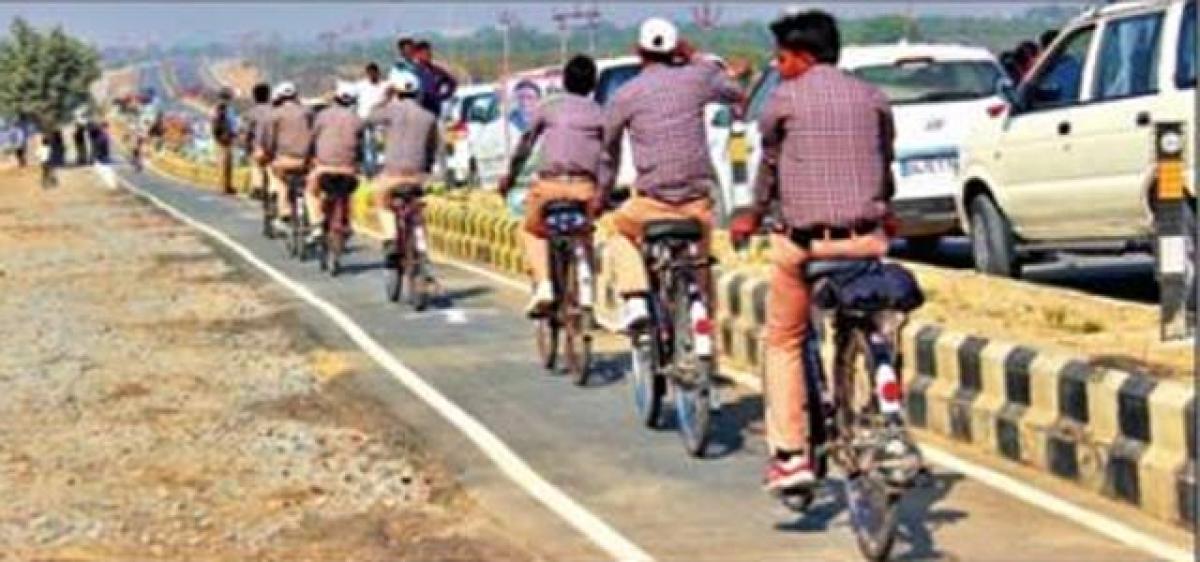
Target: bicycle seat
point(816, 270)
point(687, 230)
point(563, 206)
point(338, 184)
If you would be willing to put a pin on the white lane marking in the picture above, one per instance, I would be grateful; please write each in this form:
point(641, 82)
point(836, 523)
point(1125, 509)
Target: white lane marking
point(1098, 523)
point(584, 521)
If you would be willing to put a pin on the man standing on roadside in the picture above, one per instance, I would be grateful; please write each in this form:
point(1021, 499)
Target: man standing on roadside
point(826, 160)
point(223, 131)
point(371, 93)
point(663, 111)
point(405, 62)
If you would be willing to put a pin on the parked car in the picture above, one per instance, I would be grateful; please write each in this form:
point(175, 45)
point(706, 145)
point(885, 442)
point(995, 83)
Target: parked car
point(1067, 165)
point(459, 166)
point(938, 92)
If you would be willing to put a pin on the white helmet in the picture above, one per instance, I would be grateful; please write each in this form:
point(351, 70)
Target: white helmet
point(345, 91)
point(285, 90)
point(658, 35)
point(405, 82)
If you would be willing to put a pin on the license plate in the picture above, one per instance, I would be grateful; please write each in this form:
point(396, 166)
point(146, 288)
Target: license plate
point(929, 166)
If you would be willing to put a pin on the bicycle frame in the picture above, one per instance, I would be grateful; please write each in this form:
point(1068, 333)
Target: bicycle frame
point(667, 264)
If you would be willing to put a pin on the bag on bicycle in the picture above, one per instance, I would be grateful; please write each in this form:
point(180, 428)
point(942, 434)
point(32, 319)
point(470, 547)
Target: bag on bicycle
point(878, 286)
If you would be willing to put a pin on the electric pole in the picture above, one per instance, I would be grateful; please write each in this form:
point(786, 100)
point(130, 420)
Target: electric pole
point(564, 18)
point(706, 16)
point(506, 19)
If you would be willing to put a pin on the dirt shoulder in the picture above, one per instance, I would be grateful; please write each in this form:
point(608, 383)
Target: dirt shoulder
point(160, 404)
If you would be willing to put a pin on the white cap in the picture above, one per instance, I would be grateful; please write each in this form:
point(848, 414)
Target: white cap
point(345, 90)
point(285, 89)
point(658, 35)
point(405, 82)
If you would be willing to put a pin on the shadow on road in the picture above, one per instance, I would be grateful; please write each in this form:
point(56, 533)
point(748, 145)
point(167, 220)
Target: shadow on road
point(920, 519)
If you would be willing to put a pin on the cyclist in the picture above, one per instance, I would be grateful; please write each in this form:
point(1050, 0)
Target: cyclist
point(663, 111)
point(336, 142)
point(572, 126)
point(251, 134)
point(287, 140)
point(409, 139)
point(827, 150)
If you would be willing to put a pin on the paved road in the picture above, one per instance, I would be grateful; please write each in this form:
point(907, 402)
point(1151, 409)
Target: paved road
point(1127, 277)
point(585, 441)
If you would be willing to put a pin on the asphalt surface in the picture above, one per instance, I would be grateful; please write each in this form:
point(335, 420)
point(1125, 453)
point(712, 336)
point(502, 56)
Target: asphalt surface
point(478, 351)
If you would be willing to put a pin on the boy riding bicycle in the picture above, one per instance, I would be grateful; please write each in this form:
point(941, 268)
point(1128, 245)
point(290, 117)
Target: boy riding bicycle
point(336, 141)
point(286, 141)
point(410, 140)
point(572, 126)
point(663, 111)
point(827, 151)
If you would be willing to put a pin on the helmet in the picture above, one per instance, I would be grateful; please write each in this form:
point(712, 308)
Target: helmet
point(285, 90)
point(405, 82)
point(345, 92)
point(658, 35)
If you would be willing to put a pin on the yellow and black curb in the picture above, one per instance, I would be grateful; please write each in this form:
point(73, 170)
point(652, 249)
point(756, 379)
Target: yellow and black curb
point(1119, 433)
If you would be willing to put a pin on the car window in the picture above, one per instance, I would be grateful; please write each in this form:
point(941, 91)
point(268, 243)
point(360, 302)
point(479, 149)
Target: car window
point(926, 80)
point(1059, 79)
point(612, 79)
point(762, 93)
point(1185, 70)
point(1128, 62)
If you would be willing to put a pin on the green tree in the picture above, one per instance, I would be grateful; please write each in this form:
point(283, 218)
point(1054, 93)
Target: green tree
point(44, 77)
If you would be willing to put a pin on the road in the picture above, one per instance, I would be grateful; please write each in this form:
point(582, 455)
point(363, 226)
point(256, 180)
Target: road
point(586, 443)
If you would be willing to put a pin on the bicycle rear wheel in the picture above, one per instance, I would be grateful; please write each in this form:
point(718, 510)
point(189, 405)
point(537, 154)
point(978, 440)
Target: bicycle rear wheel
point(691, 387)
point(268, 216)
point(649, 387)
point(872, 503)
point(576, 339)
point(393, 267)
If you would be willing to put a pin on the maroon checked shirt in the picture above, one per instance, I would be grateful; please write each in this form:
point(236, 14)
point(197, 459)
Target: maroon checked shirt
point(663, 110)
point(826, 150)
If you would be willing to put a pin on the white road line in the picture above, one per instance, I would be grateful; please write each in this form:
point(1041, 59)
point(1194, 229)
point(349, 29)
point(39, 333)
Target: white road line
point(1005, 484)
point(584, 521)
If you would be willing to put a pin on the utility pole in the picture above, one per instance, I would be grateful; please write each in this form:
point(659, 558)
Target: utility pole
point(506, 19)
point(706, 16)
point(564, 18)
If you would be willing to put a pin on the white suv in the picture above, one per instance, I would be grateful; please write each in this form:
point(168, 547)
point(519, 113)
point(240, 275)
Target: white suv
point(938, 93)
point(1069, 165)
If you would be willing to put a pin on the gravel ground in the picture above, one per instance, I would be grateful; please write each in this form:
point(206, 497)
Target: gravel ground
point(160, 404)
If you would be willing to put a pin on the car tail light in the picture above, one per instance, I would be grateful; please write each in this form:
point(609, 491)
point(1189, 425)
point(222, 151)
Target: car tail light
point(997, 110)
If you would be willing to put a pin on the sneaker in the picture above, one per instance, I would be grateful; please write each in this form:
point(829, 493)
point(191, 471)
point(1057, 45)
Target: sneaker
point(795, 472)
point(634, 314)
point(314, 235)
point(542, 299)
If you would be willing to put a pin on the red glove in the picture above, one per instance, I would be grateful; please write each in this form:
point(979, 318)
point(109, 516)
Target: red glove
point(744, 225)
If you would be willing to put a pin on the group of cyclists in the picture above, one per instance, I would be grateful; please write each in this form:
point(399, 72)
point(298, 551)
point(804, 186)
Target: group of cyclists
point(824, 178)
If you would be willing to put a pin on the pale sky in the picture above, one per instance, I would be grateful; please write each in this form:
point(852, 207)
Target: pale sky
point(133, 23)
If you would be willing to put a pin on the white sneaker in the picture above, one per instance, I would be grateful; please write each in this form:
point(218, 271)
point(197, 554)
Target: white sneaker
point(315, 234)
point(543, 298)
point(634, 314)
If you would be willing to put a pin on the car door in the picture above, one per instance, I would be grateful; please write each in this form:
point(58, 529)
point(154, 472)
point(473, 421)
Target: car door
point(1114, 129)
point(1036, 155)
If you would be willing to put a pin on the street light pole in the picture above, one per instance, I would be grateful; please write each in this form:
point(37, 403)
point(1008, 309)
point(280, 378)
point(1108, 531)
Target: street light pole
point(506, 21)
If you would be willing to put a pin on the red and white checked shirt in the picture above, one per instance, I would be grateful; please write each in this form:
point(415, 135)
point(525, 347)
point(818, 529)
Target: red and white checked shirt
point(663, 110)
point(826, 150)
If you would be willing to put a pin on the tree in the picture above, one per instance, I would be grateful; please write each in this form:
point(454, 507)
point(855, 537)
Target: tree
point(44, 77)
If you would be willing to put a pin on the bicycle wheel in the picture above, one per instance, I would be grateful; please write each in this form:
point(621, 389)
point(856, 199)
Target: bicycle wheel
point(873, 504)
point(576, 340)
point(295, 239)
point(268, 216)
point(691, 387)
point(648, 386)
point(393, 271)
point(335, 237)
point(546, 331)
point(415, 278)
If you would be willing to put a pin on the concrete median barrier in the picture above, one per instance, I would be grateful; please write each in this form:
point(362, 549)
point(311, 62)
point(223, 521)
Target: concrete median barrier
point(1121, 434)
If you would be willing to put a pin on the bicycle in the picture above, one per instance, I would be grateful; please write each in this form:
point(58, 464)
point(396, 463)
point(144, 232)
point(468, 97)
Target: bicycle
point(297, 238)
point(335, 205)
point(270, 211)
point(674, 350)
point(860, 424)
point(407, 264)
point(567, 323)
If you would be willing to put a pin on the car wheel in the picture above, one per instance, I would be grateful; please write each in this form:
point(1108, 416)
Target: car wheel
point(992, 243)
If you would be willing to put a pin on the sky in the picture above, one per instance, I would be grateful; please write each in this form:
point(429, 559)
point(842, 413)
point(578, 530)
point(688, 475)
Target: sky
point(135, 23)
